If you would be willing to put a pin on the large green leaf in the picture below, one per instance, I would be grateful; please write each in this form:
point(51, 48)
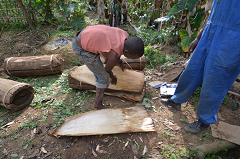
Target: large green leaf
point(77, 23)
point(191, 4)
point(186, 39)
point(181, 5)
point(197, 20)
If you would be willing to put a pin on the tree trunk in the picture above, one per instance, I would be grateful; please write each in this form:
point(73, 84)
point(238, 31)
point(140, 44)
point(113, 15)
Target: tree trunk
point(26, 14)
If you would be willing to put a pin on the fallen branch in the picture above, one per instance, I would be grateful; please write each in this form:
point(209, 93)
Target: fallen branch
point(231, 92)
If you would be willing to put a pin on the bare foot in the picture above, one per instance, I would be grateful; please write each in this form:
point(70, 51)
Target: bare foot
point(99, 106)
point(217, 123)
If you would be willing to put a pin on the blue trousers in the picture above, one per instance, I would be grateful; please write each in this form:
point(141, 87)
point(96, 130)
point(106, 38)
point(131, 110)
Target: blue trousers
point(215, 64)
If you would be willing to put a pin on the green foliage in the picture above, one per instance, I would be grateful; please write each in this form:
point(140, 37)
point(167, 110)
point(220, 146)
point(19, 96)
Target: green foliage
point(186, 39)
point(17, 26)
point(73, 14)
point(44, 8)
point(25, 144)
point(226, 100)
point(150, 36)
point(196, 21)
point(188, 6)
point(184, 5)
point(185, 122)
point(63, 108)
point(181, 5)
point(153, 57)
point(145, 102)
point(234, 104)
point(182, 152)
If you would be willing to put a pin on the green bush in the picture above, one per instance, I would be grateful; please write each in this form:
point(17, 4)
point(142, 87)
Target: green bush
point(17, 26)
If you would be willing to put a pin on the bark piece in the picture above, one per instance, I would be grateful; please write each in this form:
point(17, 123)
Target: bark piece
point(227, 132)
point(129, 80)
point(106, 121)
point(15, 95)
point(132, 96)
point(33, 65)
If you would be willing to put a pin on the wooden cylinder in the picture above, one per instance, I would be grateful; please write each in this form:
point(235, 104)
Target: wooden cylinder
point(15, 95)
point(73, 83)
point(33, 65)
point(135, 64)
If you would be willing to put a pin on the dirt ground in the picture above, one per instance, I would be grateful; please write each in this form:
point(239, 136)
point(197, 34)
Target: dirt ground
point(170, 137)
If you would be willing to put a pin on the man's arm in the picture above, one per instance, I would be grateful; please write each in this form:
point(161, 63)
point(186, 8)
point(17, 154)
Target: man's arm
point(193, 45)
point(113, 59)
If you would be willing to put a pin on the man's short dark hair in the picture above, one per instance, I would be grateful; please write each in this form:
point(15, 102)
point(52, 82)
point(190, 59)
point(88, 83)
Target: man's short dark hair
point(134, 45)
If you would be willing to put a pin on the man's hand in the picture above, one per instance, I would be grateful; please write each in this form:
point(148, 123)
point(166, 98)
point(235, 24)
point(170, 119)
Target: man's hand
point(114, 80)
point(192, 46)
point(113, 59)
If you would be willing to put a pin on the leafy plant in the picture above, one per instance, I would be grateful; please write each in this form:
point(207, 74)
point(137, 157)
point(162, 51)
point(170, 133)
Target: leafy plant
point(186, 39)
point(184, 5)
point(182, 152)
point(152, 36)
point(74, 16)
point(25, 144)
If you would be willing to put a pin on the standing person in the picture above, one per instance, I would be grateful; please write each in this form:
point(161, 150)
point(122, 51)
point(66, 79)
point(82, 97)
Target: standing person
point(111, 43)
point(215, 64)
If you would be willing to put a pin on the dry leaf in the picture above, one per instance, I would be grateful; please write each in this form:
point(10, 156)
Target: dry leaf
point(144, 150)
point(43, 150)
point(134, 149)
point(126, 143)
point(100, 151)
point(97, 148)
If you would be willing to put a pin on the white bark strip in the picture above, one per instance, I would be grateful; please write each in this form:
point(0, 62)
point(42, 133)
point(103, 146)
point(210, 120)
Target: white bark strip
point(107, 121)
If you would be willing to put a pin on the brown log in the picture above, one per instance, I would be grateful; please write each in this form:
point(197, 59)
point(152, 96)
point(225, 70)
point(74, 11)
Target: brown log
point(33, 65)
point(135, 64)
point(77, 84)
point(205, 149)
point(15, 95)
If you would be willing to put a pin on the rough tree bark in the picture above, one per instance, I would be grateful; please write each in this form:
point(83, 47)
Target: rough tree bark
point(26, 14)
